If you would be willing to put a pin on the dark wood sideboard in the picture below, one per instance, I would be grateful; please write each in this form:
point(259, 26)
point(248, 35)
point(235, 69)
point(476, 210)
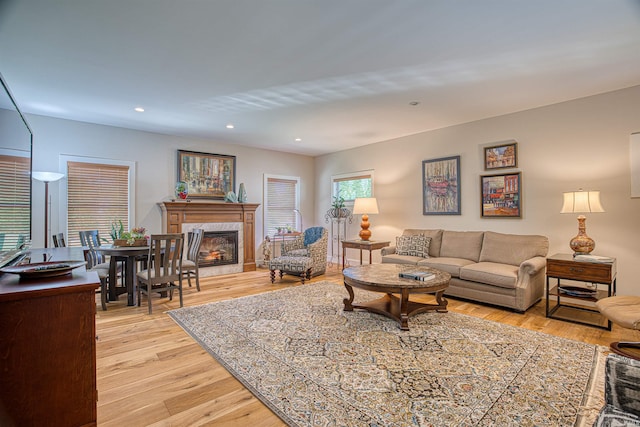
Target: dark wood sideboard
point(48, 350)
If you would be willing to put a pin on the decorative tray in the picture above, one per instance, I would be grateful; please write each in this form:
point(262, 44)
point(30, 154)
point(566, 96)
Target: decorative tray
point(577, 291)
point(43, 269)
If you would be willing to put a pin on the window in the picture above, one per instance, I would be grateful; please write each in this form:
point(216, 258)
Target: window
point(15, 199)
point(282, 199)
point(98, 193)
point(350, 186)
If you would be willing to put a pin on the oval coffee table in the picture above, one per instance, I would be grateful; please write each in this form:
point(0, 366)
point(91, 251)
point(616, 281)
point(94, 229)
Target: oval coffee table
point(385, 278)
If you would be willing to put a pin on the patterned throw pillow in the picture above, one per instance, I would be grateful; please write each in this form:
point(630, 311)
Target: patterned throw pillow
point(417, 245)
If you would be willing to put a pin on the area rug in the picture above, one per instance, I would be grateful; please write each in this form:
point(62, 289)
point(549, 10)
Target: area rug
point(315, 365)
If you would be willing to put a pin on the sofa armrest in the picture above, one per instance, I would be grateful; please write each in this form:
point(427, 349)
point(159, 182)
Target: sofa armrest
point(532, 266)
point(388, 250)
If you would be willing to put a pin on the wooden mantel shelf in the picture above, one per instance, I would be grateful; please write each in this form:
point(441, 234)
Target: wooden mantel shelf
point(174, 214)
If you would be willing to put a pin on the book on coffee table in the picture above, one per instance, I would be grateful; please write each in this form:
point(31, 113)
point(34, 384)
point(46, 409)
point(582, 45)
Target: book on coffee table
point(417, 275)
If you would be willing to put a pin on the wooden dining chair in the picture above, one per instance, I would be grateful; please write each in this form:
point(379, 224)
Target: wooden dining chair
point(96, 262)
point(58, 240)
point(189, 266)
point(163, 273)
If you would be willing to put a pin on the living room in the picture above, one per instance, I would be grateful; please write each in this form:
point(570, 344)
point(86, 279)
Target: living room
point(579, 141)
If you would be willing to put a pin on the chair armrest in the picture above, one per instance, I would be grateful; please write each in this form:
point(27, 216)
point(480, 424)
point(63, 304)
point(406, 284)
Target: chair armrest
point(388, 250)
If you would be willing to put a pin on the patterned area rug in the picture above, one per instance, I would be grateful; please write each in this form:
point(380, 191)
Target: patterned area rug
point(315, 365)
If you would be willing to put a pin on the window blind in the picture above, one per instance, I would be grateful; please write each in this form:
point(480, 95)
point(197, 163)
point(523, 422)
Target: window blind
point(281, 201)
point(97, 195)
point(15, 201)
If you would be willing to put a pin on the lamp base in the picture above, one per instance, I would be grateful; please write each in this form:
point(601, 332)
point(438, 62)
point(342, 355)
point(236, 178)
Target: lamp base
point(365, 233)
point(582, 244)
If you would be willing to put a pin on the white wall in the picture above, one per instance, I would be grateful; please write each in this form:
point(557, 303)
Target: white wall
point(577, 144)
point(156, 166)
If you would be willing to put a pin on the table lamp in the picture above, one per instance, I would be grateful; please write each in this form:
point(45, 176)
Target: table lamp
point(46, 177)
point(582, 202)
point(365, 206)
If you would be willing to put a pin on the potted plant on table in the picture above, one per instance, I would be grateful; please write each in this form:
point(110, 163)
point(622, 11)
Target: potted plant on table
point(134, 237)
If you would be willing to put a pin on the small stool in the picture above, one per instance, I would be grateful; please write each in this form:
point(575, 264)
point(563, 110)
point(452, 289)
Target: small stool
point(295, 265)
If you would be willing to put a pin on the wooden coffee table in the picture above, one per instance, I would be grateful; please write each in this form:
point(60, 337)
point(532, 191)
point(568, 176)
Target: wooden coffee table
point(385, 278)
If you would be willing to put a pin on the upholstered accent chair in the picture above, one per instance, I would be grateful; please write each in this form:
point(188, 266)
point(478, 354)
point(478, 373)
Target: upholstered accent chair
point(304, 256)
point(623, 310)
point(621, 392)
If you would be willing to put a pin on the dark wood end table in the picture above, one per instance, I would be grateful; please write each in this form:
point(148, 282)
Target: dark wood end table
point(367, 245)
point(385, 278)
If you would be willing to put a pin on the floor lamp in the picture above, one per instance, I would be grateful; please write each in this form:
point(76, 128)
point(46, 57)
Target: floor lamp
point(46, 177)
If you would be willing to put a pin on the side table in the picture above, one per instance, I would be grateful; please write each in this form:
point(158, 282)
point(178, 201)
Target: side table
point(367, 245)
point(576, 299)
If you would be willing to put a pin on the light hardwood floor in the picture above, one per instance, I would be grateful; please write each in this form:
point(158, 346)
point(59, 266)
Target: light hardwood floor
point(150, 372)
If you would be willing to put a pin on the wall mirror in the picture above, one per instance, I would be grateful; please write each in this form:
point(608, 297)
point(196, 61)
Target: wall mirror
point(16, 140)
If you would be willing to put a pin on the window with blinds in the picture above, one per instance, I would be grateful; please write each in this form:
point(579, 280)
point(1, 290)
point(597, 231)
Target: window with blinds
point(97, 195)
point(351, 186)
point(282, 198)
point(15, 201)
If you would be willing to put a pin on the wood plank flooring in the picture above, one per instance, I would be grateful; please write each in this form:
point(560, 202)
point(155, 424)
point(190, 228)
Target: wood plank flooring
point(151, 373)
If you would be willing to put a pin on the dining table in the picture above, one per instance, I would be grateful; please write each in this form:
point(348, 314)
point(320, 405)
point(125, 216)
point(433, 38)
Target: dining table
point(130, 255)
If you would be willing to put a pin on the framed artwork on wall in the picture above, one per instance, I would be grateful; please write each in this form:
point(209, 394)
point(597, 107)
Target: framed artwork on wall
point(501, 156)
point(501, 196)
point(208, 176)
point(441, 186)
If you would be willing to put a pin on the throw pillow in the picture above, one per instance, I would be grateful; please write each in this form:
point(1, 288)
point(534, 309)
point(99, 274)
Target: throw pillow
point(416, 245)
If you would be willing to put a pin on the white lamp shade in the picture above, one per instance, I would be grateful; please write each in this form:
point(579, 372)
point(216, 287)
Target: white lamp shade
point(365, 205)
point(46, 176)
point(582, 202)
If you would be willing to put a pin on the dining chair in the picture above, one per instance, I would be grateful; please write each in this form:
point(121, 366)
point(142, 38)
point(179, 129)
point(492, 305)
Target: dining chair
point(95, 262)
point(163, 273)
point(58, 240)
point(189, 266)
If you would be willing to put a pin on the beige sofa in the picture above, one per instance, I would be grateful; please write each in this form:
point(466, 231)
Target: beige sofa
point(502, 269)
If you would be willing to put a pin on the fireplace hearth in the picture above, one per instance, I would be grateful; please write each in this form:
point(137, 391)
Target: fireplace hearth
point(218, 248)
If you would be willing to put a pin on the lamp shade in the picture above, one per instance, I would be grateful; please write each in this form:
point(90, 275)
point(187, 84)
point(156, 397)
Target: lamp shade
point(365, 205)
point(47, 176)
point(581, 202)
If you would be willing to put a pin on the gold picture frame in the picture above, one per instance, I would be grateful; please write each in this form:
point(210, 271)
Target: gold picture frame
point(208, 176)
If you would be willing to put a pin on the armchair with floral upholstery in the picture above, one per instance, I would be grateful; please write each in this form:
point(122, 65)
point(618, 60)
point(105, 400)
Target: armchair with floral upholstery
point(306, 255)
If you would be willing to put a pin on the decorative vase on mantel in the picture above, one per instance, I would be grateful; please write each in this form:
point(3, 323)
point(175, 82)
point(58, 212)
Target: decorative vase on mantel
point(242, 194)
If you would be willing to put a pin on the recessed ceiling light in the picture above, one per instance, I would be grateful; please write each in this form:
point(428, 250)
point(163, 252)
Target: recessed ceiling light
point(139, 109)
point(298, 139)
point(414, 103)
point(230, 126)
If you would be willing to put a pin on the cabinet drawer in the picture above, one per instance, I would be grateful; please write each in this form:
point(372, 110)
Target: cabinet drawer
point(586, 272)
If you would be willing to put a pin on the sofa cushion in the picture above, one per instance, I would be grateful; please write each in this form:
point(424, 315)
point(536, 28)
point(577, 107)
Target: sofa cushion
point(435, 235)
point(401, 259)
point(461, 244)
point(491, 273)
point(512, 248)
point(416, 245)
point(450, 265)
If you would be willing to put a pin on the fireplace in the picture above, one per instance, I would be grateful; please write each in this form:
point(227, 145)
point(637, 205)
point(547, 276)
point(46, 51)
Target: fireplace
point(218, 248)
point(182, 217)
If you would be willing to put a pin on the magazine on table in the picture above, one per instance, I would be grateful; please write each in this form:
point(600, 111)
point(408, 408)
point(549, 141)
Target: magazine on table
point(417, 275)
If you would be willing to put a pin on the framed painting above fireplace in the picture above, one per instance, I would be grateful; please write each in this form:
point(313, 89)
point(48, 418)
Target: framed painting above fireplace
point(208, 176)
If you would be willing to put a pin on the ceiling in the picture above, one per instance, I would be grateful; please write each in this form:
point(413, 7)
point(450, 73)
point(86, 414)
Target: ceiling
point(336, 73)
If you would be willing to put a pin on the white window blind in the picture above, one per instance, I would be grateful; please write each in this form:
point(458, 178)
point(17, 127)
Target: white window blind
point(15, 212)
point(281, 200)
point(97, 194)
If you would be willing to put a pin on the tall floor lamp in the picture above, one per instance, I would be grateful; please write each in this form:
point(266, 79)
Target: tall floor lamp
point(46, 177)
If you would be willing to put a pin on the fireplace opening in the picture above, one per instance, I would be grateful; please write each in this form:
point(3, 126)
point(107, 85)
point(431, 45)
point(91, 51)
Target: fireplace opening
point(218, 248)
